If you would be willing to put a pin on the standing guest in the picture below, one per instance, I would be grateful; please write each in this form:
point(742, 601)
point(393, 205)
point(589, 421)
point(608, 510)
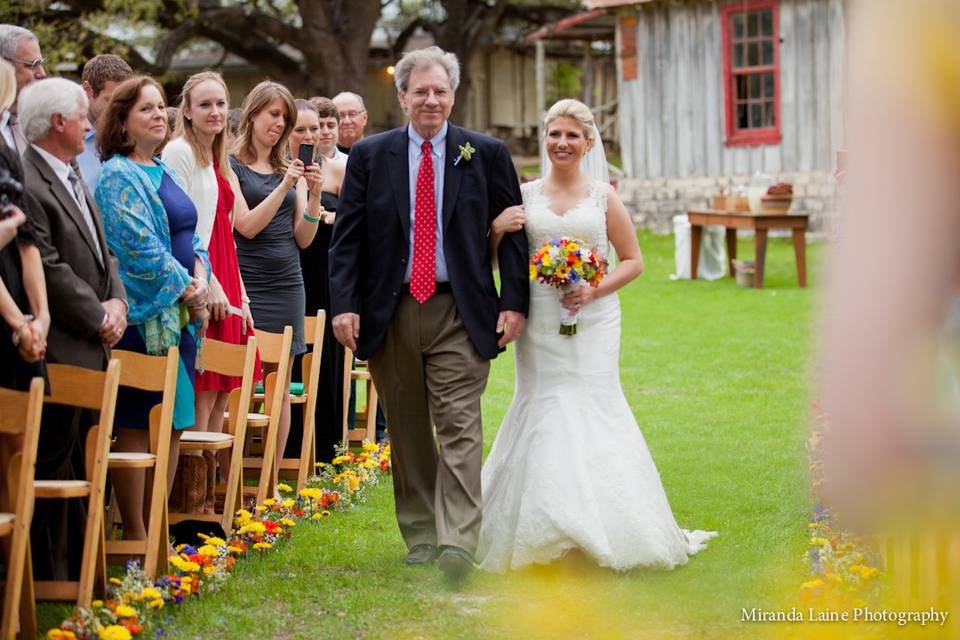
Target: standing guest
point(274, 218)
point(86, 296)
point(414, 294)
point(19, 47)
point(22, 288)
point(353, 118)
point(100, 77)
point(151, 225)
point(198, 155)
point(320, 130)
point(329, 130)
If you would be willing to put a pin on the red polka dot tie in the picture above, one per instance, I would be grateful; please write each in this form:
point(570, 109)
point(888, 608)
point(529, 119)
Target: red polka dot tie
point(423, 277)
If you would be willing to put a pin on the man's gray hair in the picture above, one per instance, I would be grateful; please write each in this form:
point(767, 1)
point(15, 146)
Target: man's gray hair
point(40, 100)
point(351, 94)
point(10, 37)
point(420, 58)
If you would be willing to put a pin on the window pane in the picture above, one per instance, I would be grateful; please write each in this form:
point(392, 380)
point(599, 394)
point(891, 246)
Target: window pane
point(755, 85)
point(738, 56)
point(753, 54)
point(756, 115)
point(740, 81)
point(767, 51)
point(738, 25)
point(766, 22)
point(769, 119)
point(753, 24)
point(768, 84)
point(742, 117)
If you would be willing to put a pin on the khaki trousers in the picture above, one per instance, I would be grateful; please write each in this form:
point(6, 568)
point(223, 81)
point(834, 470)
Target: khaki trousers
point(428, 373)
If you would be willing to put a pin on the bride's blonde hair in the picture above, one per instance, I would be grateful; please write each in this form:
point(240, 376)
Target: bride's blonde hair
point(570, 108)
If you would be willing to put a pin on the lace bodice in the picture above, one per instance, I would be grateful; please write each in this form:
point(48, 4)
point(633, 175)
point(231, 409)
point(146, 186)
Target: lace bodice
point(586, 220)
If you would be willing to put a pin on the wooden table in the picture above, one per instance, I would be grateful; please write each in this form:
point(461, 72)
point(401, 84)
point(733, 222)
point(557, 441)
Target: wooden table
point(760, 223)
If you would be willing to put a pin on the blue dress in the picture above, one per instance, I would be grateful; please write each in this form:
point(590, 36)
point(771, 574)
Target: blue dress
point(134, 405)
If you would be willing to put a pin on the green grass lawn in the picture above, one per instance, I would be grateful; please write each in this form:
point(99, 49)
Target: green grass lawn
point(718, 379)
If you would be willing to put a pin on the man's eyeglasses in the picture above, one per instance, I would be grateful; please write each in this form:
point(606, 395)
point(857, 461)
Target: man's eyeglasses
point(33, 66)
point(350, 115)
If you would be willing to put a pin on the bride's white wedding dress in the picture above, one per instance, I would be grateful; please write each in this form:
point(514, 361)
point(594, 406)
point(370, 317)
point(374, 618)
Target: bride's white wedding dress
point(569, 468)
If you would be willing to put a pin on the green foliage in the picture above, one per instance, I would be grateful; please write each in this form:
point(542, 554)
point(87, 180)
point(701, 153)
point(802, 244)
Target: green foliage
point(563, 81)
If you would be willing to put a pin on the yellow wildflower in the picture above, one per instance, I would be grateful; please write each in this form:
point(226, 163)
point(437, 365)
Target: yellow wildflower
point(284, 487)
point(288, 504)
point(319, 465)
point(113, 632)
point(150, 593)
point(186, 588)
point(353, 483)
point(533, 272)
point(115, 581)
point(156, 603)
point(287, 522)
point(233, 549)
point(311, 494)
point(207, 570)
point(324, 513)
point(316, 516)
point(572, 246)
point(125, 611)
point(208, 550)
point(262, 545)
point(180, 547)
point(269, 502)
point(186, 580)
point(370, 446)
point(96, 604)
point(370, 464)
point(260, 508)
point(190, 567)
point(55, 634)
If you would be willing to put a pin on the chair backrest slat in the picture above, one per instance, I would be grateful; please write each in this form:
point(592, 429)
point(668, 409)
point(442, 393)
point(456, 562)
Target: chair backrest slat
point(141, 371)
point(225, 358)
point(271, 345)
point(75, 386)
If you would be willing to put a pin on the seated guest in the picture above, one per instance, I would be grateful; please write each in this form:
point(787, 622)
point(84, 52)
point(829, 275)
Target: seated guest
point(320, 129)
point(86, 296)
point(198, 155)
point(100, 77)
point(151, 226)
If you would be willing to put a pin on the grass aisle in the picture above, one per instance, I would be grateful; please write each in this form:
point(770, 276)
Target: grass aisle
point(717, 377)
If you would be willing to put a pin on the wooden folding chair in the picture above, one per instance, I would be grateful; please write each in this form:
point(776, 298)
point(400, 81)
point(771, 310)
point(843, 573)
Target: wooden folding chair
point(149, 373)
point(274, 349)
point(313, 329)
point(94, 390)
point(365, 420)
point(20, 415)
point(237, 361)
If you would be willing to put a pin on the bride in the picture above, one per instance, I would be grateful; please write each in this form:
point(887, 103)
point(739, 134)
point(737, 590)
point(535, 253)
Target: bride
point(544, 493)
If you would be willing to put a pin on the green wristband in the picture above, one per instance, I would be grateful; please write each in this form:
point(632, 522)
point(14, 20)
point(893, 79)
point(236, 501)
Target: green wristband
point(310, 218)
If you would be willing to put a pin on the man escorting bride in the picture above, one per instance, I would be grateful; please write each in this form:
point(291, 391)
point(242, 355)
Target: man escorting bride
point(411, 258)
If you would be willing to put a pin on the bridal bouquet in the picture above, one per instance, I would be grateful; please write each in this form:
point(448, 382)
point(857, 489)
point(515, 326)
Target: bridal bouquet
point(566, 263)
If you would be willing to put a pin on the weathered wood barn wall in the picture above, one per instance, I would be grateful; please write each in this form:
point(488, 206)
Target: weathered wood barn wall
point(672, 116)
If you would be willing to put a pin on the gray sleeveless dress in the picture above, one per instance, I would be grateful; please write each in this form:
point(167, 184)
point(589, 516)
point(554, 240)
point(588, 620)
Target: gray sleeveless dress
point(270, 262)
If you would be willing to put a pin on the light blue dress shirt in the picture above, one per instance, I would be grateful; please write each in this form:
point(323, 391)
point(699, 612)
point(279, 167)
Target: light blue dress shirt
point(89, 160)
point(438, 153)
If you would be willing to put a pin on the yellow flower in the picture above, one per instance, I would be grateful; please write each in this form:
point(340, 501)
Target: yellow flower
point(353, 483)
point(190, 567)
point(96, 604)
point(812, 584)
point(186, 588)
point(572, 246)
point(125, 611)
point(207, 570)
point(216, 542)
point(269, 502)
point(156, 603)
point(546, 260)
point(253, 527)
point(262, 545)
point(370, 446)
point(311, 494)
point(150, 593)
point(234, 549)
point(208, 550)
point(319, 465)
point(284, 487)
point(339, 460)
point(370, 464)
point(243, 514)
point(55, 634)
point(563, 270)
point(186, 580)
point(260, 508)
point(288, 504)
point(324, 513)
point(115, 581)
point(180, 547)
point(533, 272)
point(113, 632)
point(316, 516)
point(288, 522)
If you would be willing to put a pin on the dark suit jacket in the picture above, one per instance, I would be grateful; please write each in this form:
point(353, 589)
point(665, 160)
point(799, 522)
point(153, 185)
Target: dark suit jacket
point(77, 281)
point(371, 235)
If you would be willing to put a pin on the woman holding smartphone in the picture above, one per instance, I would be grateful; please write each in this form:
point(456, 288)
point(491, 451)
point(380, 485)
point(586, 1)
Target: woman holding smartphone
point(313, 133)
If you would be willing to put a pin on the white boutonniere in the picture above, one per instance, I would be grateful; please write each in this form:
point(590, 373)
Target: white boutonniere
point(466, 152)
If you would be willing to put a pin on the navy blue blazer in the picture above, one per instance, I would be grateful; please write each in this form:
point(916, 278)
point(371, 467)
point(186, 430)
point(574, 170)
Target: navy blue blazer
point(371, 236)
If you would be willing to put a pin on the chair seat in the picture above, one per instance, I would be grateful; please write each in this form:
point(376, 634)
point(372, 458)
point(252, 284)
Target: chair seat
point(131, 460)
point(295, 398)
point(205, 436)
point(61, 488)
point(257, 419)
point(6, 523)
point(360, 375)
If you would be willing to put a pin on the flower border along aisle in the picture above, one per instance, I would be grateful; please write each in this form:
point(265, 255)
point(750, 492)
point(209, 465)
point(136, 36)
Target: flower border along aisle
point(130, 610)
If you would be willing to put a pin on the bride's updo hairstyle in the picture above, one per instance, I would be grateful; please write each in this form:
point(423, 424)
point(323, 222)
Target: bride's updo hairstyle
point(570, 108)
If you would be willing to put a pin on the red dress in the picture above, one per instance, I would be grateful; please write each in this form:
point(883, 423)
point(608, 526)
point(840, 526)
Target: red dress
point(223, 262)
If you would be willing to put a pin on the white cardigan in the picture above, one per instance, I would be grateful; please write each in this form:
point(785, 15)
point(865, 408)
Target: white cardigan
point(200, 184)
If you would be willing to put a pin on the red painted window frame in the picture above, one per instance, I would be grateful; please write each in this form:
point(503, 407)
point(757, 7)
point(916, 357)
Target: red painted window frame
point(749, 137)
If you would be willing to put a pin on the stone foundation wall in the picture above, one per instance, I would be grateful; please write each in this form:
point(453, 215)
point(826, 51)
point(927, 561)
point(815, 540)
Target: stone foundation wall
point(653, 203)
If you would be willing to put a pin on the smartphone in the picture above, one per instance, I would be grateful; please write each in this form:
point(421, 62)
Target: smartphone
point(305, 153)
